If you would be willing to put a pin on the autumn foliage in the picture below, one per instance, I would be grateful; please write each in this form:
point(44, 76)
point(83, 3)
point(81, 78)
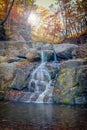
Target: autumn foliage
point(69, 19)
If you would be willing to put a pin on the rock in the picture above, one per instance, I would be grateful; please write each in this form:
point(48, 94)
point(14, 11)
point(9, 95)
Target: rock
point(38, 45)
point(53, 70)
point(32, 55)
point(13, 59)
point(21, 76)
point(1, 95)
point(73, 63)
point(14, 75)
point(22, 50)
point(81, 100)
point(80, 52)
point(3, 36)
point(13, 49)
point(82, 39)
point(2, 52)
point(6, 75)
point(64, 51)
point(3, 59)
point(71, 84)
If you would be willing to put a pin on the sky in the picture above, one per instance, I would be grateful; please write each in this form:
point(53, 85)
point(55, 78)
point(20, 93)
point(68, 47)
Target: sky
point(45, 3)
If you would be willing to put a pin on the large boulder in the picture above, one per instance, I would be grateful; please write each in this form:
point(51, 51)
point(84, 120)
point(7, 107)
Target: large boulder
point(71, 84)
point(21, 76)
point(13, 48)
point(64, 51)
point(32, 55)
point(14, 75)
point(6, 75)
point(80, 52)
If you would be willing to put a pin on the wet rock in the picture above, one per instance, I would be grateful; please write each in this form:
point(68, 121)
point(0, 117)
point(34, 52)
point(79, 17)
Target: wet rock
point(20, 96)
point(71, 82)
point(81, 100)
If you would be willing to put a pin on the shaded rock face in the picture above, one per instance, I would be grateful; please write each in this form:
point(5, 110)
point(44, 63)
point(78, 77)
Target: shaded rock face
point(79, 40)
point(71, 84)
point(6, 75)
point(14, 75)
point(80, 52)
point(2, 33)
point(15, 50)
point(22, 80)
point(62, 51)
point(16, 66)
point(21, 76)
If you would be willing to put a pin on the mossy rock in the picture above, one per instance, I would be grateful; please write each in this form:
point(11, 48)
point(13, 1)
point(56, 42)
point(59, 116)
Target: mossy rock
point(71, 83)
point(5, 85)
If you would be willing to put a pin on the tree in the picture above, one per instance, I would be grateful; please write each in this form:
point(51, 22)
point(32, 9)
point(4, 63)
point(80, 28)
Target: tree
point(74, 16)
point(15, 14)
point(2, 30)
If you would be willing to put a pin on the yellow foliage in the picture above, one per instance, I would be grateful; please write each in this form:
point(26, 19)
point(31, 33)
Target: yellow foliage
point(48, 27)
point(2, 9)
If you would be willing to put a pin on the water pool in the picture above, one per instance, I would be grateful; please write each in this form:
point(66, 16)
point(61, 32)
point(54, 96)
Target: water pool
point(21, 116)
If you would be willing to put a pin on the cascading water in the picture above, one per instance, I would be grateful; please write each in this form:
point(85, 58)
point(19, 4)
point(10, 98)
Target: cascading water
point(40, 82)
point(55, 57)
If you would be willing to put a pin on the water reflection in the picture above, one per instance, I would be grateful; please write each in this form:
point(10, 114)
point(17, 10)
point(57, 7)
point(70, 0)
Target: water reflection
point(40, 114)
point(42, 117)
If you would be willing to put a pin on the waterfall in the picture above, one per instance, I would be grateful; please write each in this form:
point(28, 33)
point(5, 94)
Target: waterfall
point(54, 53)
point(40, 82)
point(43, 56)
point(55, 57)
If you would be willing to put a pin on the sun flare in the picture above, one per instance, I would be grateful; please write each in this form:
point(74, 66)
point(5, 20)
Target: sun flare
point(33, 19)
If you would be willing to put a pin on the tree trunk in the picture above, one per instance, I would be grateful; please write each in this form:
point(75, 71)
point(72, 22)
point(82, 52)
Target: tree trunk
point(2, 30)
point(7, 15)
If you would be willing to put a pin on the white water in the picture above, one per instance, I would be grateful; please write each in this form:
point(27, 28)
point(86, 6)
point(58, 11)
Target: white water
point(55, 57)
point(41, 80)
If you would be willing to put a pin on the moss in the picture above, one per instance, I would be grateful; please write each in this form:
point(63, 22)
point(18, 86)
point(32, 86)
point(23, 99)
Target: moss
point(66, 100)
point(74, 96)
point(5, 85)
point(73, 83)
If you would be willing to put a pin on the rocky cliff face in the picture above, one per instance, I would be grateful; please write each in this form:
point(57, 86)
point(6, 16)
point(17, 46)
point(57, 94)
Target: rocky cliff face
point(71, 84)
point(18, 60)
